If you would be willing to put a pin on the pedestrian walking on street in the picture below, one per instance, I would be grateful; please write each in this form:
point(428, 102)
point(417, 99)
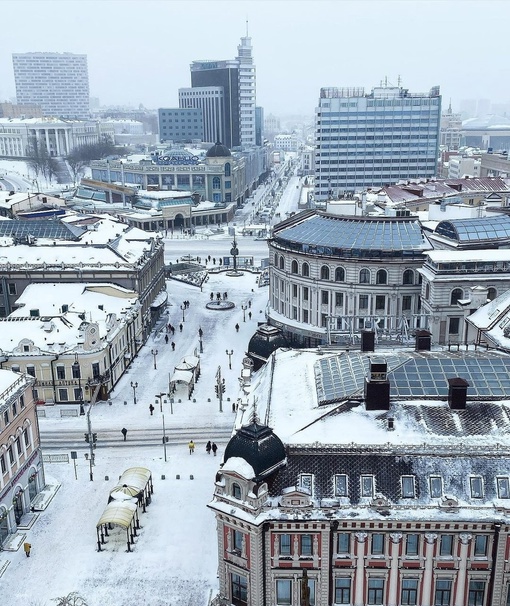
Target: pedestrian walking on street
point(212, 296)
point(180, 327)
point(27, 547)
point(249, 315)
point(151, 409)
point(214, 448)
point(123, 431)
point(172, 328)
point(208, 447)
point(237, 327)
point(166, 339)
point(191, 447)
point(173, 346)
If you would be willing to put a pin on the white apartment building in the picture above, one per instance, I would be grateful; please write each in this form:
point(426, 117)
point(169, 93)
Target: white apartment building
point(460, 166)
point(286, 142)
point(247, 93)
point(57, 82)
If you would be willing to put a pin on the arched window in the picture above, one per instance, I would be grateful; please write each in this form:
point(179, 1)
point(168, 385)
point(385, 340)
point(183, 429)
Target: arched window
point(216, 183)
point(236, 491)
point(339, 274)
point(491, 293)
point(381, 277)
point(276, 260)
point(305, 270)
point(364, 276)
point(324, 272)
point(408, 276)
point(227, 169)
point(456, 295)
point(294, 267)
point(282, 262)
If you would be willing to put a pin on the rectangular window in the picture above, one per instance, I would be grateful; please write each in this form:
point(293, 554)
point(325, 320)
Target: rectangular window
point(476, 485)
point(380, 303)
point(503, 488)
point(61, 372)
point(324, 297)
point(363, 301)
point(22, 401)
point(6, 417)
point(95, 370)
point(14, 409)
point(26, 437)
point(443, 593)
point(453, 328)
point(409, 595)
point(377, 544)
point(19, 448)
point(367, 486)
point(406, 303)
point(476, 593)
point(76, 371)
point(239, 588)
point(62, 395)
point(306, 545)
point(343, 543)
point(375, 591)
point(77, 394)
point(285, 545)
point(305, 316)
point(408, 487)
point(446, 545)
point(305, 481)
point(412, 544)
point(12, 289)
point(31, 371)
point(342, 591)
point(480, 549)
point(3, 466)
point(283, 592)
point(294, 290)
point(339, 299)
point(237, 541)
point(436, 487)
point(305, 293)
point(340, 485)
point(11, 455)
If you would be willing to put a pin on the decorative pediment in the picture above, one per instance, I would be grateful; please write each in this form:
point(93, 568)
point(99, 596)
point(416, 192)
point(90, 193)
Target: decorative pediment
point(296, 497)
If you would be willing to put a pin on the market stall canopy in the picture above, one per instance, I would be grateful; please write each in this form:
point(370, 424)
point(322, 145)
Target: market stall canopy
point(182, 376)
point(120, 514)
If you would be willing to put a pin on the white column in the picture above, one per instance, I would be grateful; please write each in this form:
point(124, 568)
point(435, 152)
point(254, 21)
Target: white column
point(57, 142)
point(461, 575)
point(393, 585)
point(430, 540)
point(47, 138)
point(359, 598)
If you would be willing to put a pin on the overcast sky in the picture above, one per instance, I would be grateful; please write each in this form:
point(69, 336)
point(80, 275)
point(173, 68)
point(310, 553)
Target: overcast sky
point(139, 51)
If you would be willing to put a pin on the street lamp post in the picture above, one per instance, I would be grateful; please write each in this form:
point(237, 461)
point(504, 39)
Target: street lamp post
point(77, 375)
point(164, 437)
point(244, 308)
point(160, 396)
point(154, 352)
point(134, 386)
point(171, 405)
point(182, 309)
point(229, 354)
point(200, 335)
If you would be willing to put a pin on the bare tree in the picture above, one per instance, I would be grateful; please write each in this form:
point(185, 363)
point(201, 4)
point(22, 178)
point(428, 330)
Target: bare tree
point(71, 599)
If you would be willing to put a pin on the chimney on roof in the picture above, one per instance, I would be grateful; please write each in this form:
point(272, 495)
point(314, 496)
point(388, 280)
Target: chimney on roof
point(423, 340)
point(367, 340)
point(377, 386)
point(457, 393)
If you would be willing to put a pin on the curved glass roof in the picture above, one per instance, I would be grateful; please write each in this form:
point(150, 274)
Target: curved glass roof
point(353, 236)
point(476, 230)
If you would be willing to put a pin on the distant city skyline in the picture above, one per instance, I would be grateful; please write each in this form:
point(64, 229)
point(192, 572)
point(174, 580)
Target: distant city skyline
point(140, 54)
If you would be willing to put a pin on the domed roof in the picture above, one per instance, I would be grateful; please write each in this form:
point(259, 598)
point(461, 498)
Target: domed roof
point(218, 150)
point(258, 446)
point(266, 340)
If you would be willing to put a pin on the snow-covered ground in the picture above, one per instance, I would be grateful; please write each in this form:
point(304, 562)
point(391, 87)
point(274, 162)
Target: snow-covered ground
point(174, 560)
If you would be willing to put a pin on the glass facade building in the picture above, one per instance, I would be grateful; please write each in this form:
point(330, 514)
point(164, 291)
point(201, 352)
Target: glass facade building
point(371, 140)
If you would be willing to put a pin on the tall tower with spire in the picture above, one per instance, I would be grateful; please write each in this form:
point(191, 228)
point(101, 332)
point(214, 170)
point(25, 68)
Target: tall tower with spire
point(247, 91)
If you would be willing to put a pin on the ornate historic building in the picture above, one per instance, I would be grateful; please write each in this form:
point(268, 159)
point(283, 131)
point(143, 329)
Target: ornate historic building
point(368, 481)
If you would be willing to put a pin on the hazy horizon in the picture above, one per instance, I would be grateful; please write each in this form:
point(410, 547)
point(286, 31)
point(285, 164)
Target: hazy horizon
point(140, 52)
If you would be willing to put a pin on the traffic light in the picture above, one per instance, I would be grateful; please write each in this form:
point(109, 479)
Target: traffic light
point(87, 437)
point(216, 390)
point(223, 386)
point(94, 437)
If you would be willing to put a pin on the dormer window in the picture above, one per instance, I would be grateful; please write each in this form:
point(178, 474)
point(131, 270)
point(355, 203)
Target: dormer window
point(341, 485)
point(436, 487)
point(305, 481)
point(503, 488)
point(408, 487)
point(236, 491)
point(367, 486)
point(476, 485)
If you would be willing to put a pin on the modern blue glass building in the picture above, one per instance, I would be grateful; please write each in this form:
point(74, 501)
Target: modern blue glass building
point(371, 140)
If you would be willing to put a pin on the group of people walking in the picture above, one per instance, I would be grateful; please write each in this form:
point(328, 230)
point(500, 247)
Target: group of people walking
point(208, 447)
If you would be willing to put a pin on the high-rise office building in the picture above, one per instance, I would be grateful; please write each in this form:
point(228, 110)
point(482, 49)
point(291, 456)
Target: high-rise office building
point(210, 99)
point(370, 140)
point(57, 82)
point(231, 115)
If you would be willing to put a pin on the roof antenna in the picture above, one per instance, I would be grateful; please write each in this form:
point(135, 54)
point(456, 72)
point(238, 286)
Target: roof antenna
point(247, 28)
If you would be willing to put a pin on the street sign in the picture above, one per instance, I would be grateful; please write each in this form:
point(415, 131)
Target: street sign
point(74, 454)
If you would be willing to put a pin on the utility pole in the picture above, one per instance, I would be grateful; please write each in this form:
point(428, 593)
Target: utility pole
point(90, 437)
point(219, 388)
